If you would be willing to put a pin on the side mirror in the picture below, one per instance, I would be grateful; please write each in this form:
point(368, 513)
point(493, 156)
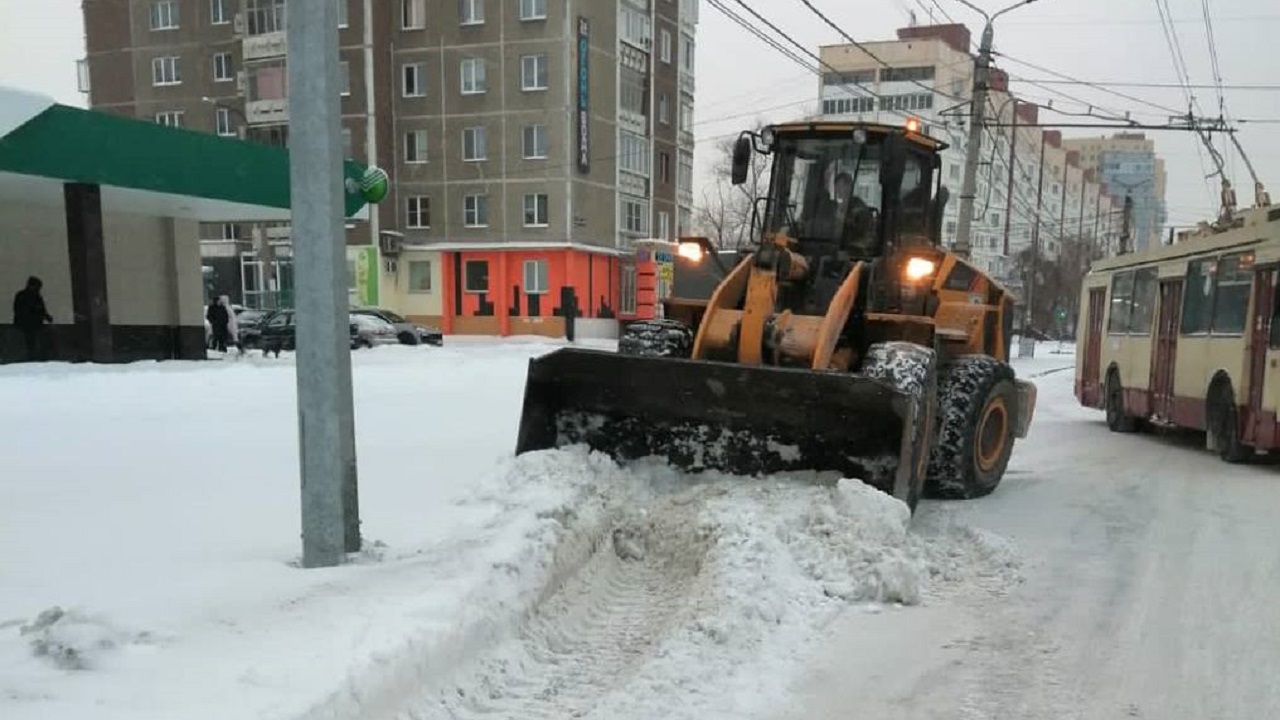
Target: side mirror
point(741, 159)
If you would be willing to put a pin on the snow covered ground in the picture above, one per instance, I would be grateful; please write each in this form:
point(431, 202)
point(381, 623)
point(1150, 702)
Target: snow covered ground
point(149, 535)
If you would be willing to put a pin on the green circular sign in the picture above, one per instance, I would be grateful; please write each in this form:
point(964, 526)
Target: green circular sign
point(374, 184)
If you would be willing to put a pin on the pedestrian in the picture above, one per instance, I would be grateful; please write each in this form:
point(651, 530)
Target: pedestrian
point(219, 318)
point(30, 316)
point(233, 325)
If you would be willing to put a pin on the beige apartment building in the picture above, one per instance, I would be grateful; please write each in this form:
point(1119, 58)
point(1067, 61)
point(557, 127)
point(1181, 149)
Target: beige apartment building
point(529, 142)
point(1031, 188)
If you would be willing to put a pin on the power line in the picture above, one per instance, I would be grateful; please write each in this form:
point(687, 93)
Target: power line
point(1166, 86)
point(1064, 76)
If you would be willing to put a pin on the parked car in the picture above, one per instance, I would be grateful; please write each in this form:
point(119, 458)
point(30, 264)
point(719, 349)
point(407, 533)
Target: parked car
point(249, 323)
point(407, 332)
point(368, 331)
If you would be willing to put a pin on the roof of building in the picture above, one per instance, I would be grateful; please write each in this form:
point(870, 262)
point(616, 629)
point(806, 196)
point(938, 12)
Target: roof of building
point(142, 167)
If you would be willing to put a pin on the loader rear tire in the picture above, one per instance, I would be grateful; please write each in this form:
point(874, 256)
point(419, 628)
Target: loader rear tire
point(911, 369)
point(977, 402)
point(659, 337)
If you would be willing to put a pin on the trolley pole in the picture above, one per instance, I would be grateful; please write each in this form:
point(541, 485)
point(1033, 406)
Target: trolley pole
point(326, 427)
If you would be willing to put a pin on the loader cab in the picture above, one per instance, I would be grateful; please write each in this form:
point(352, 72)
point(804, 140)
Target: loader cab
point(847, 190)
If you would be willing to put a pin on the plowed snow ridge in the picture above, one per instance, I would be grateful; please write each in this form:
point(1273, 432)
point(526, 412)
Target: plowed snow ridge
point(694, 599)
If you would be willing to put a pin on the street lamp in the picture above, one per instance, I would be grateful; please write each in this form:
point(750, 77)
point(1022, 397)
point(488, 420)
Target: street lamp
point(981, 81)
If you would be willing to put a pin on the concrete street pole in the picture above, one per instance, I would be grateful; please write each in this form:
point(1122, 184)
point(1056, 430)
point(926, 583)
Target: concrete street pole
point(326, 425)
point(977, 123)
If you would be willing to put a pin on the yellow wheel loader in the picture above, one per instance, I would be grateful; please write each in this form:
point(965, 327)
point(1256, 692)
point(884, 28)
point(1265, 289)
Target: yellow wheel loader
point(847, 340)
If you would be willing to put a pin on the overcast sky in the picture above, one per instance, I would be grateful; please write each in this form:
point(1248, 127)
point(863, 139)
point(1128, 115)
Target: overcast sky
point(737, 74)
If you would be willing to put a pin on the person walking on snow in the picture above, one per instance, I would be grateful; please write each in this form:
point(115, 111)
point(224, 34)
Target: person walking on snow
point(30, 316)
point(233, 325)
point(219, 318)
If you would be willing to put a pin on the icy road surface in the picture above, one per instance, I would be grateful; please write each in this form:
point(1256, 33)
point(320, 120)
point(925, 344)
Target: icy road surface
point(1151, 572)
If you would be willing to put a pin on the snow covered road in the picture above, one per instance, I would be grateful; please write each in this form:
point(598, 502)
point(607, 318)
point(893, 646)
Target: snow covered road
point(1150, 576)
point(155, 507)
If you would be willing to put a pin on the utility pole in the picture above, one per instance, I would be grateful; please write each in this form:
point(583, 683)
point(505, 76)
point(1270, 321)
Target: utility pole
point(977, 123)
point(1013, 161)
point(1125, 226)
point(1035, 234)
point(326, 425)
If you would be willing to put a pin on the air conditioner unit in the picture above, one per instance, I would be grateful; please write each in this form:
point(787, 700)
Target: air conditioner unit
point(391, 244)
point(237, 24)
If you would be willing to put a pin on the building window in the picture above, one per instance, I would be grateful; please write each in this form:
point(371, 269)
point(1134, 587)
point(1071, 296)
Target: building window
point(171, 118)
point(347, 142)
point(166, 71)
point(627, 290)
point(413, 14)
point(534, 142)
point(344, 77)
point(533, 9)
point(664, 109)
point(906, 74)
point(420, 276)
point(473, 143)
point(684, 177)
point(634, 216)
point(344, 12)
point(264, 16)
point(415, 146)
point(475, 211)
point(664, 225)
point(471, 12)
point(634, 153)
point(222, 69)
point(415, 79)
point(475, 276)
point(537, 279)
point(218, 14)
point(664, 168)
point(164, 15)
point(634, 27)
point(632, 90)
point(686, 53)
point(473, 76)
point(848, 105)
point(417, 213)
point(222, 120)
point(535, 210)
point(686, 112)
point(665, 46)
point(533, 72)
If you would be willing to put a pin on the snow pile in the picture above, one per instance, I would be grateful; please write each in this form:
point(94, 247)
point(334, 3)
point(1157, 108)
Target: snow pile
point(699, 597)
point(72, 640)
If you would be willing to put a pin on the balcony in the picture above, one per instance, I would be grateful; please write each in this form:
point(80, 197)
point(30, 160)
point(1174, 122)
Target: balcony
point(685, 139)
point(264, 47)
point(267, 111)
point(686, 81)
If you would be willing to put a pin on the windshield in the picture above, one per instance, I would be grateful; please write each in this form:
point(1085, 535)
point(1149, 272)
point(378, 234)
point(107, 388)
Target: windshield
point(827, 190)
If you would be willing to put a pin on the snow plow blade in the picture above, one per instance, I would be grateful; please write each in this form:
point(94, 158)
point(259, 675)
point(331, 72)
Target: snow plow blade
point(738, 419)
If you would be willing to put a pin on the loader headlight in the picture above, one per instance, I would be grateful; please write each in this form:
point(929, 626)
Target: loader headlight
point(919, 268)
point(690, 251)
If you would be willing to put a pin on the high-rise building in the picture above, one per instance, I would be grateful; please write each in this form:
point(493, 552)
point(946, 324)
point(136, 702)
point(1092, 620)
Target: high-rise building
point(1127, 165)
point(529, 142)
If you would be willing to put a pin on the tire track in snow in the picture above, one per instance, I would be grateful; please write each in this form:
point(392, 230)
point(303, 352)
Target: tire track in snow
point(590, 634)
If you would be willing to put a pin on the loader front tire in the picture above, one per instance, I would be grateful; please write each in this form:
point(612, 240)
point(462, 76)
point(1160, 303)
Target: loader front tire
point(658, 337)
point(976, 402)
point(911, 369)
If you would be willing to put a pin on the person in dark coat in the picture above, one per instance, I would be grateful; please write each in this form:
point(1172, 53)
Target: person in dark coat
point(219, 318)
point(30, 316)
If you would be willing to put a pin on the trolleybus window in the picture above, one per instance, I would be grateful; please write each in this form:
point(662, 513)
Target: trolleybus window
point(1121, 302)
point(1197, 298)
point(1144, 301)
point(1231, 300)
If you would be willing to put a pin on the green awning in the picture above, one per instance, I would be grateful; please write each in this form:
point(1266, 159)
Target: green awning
point(172, 171)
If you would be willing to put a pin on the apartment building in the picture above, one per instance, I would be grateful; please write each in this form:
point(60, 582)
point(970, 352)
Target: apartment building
point(1128, 167)
point(1029, 189)
point(529, 142)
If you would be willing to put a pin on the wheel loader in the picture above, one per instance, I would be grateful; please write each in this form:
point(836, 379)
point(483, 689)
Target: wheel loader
point(848, 339)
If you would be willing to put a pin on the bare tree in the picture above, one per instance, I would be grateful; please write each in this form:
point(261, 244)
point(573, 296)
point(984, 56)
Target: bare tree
point(1057, 281)
point(724, 213)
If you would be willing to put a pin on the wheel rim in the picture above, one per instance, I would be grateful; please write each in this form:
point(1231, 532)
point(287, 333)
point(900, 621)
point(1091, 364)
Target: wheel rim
point(993, 431)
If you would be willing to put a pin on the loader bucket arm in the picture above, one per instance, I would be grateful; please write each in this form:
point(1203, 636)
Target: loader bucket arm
point(706, 415)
